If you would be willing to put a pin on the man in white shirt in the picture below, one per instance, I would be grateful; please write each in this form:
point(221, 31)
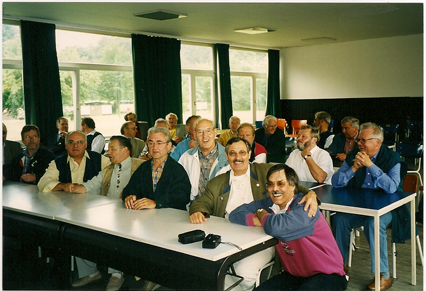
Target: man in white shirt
point(109, 182)
point(77, 166)
point(95, 139)
point(309, 161)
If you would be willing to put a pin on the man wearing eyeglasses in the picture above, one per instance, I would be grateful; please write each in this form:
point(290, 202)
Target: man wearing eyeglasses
point(244, 183)
point(129, 130)
point(271, 137)
point(344, 142)
point(375, 166)
point(30, 165)
point(75, 166)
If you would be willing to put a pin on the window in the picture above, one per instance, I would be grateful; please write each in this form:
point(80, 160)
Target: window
point(248, 84)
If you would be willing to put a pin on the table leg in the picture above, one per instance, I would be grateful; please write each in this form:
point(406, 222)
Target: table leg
point(413, 242)
point(377, 251)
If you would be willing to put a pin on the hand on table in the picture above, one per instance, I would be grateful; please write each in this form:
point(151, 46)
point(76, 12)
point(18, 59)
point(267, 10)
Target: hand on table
point(197, 217)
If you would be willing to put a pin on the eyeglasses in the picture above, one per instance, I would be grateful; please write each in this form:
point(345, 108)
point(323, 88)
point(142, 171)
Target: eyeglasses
point(78, 143)
point(30, 137)
point(131, 128)
point(234, 154)
point(206, 131)
point(154, 143)
point(363, 140)
point(279, 184)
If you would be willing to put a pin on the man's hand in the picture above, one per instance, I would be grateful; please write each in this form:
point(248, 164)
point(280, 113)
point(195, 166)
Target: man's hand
point(310, 200)
point(192, 144)
point(63, 134)
point(260, 213)
point(341, 157)
point(177, 139)
point(29, 178)
point(69, 187)
point(363, 159)
point(128, 202)
point(305, 152)
point(144, 203)
point(197, 217)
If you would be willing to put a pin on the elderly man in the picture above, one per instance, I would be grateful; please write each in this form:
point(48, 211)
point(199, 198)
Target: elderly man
point(177, 131)
point(109, 182)
point(77, 166)
point(188, 143)
point(160, 122)
point(234, 122)
point(131, 116)
point(95, 139)
point(29, 166)
point(307, 250)
point(322, 122)
point(375, 166)
point(309, 161)
point(10, 148)
point(271, 137)
point(161, 182)
point(344, 142)
point(129, 130)
point(205, 160)
point(244, 183)
point(246, 131)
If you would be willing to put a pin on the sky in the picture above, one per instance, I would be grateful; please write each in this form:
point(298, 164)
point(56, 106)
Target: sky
point(69, 38)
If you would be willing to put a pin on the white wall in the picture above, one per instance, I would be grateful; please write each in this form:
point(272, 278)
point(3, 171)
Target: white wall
point(385, 67)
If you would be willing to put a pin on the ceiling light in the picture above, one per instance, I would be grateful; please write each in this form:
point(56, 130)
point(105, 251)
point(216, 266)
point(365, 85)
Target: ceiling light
point(253, 30)
point(319, 40)
point(160, 15)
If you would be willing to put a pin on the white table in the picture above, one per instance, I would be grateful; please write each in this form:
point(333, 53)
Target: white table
point(374, 203)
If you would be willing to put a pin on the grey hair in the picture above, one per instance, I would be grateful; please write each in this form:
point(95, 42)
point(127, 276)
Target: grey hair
point(268, 118)
point(171, 113)
point(161, 120)
point(314, 131)
point(163, 130)
point(246, 124)
point(323, 115)
point(188, 120)
point(71, 132)
point(202, 119)
point(377, 130)
point(230, 118)
point(354, 121)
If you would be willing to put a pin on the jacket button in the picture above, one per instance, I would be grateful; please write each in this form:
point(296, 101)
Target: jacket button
point(221, 198)
point(257, 185)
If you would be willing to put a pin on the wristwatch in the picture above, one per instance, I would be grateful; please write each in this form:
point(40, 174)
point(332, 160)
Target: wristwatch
point(307, 156)
point(260, 210)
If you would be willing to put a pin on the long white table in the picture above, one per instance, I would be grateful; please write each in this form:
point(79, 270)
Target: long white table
point(142, 243)
point(374, 203)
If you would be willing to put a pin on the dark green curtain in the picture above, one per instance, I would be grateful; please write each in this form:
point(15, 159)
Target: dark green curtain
point(42, 86)
point(224, 73)
point(157, 77)
point(273, 105)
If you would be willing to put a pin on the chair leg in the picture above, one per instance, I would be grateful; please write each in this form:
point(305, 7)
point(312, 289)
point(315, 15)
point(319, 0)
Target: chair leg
point(419, 246)
point(394, 253)
point(351, 247)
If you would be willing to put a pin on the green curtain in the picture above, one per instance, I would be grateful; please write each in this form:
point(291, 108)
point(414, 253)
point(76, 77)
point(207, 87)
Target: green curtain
point(273, 105)
point(224, 73)
point(42, 86)
point(157, 77)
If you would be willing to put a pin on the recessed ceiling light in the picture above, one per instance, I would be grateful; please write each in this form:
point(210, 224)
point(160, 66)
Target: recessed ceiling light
point(253, 30)
point(319, 40)
point(160, 15)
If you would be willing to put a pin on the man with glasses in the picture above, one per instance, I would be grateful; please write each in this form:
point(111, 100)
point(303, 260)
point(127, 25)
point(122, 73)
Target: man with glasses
point(205, 160)
point(309, 161)
point(375, 166)
point(344, 142)
point(75, 166)
point(129, 130)
point(271, 137)
point(160, 122)
point(188, 143)
point(30, 165)
point(109, 182)
point(244, 183)
point(131, 116)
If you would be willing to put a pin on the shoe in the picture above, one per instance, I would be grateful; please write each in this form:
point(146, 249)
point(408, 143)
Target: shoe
point(384, 283)
point(115, 283)
point(148, 286)
point(86, 280)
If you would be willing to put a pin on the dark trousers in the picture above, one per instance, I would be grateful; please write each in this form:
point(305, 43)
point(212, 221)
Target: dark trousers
point(286, 281)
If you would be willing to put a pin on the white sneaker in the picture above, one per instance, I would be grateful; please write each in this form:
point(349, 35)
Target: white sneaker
point(115, 283)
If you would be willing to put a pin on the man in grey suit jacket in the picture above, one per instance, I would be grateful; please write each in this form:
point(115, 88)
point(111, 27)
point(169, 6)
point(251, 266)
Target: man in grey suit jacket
point(129, 129)
point(10, 148)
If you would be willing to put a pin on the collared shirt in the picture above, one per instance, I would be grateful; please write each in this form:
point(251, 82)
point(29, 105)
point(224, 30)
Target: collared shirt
point(156, 173)
point(240, 192)
point(94, 185)
point(26, 160)
point(98, 143)
point(206, 164)
point(375, 178)
point(349, 144)
point(276, 209)
point(51, 178)
point(173, 132)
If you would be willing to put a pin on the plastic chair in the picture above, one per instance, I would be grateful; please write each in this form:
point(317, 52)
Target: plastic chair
point(281, 123)
point(297, 124)
point(390, 133)
point(413, 131)
point(143, 125)
point(408, 150)
point(259, 124)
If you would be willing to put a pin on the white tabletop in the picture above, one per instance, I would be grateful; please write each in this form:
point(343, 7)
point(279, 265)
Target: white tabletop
point(161, 227)
point(28, 199)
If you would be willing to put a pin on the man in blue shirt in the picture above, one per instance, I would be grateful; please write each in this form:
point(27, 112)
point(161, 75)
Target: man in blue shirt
point(375, 166)
point(188, 143)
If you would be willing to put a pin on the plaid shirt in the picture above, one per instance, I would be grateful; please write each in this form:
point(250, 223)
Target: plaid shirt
point(156, 173)
point(206, 164)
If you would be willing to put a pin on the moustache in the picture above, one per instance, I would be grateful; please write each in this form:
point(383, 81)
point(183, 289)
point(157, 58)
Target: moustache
point(277, 193)
point(238, 161)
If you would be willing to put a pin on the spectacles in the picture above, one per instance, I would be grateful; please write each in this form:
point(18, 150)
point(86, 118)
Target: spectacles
point(132, 128)
point(234, 154)
point(279, 184)
point(206, 131)
point(154, 143)
point(30, 137)
point(363, 140)
point(78, 143)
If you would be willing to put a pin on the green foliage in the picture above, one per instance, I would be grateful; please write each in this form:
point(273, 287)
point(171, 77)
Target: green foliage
point(12, 93)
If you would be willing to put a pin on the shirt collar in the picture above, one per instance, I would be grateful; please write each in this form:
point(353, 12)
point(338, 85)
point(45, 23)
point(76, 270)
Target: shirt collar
point(72, 159)
point(246, 174)
point(124, 163)
point(276, 209)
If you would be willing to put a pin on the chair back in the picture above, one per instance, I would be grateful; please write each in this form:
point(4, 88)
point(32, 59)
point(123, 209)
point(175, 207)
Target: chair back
point(143, 125)
point(297, 124)
point(281, 123)
point(390, 134)
point(259, 124)
point(411, 182)
point(408, 150)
